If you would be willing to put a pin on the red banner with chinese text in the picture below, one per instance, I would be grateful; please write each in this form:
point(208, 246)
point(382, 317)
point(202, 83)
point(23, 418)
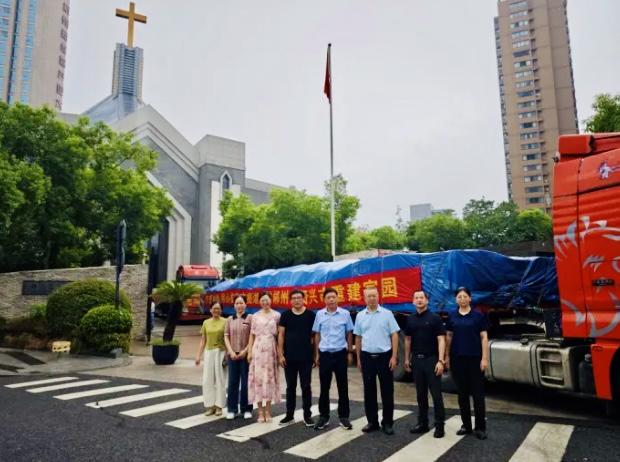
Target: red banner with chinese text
point(395, 287)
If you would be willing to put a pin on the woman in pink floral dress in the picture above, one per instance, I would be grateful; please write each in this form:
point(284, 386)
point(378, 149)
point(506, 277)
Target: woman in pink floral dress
point(264, 376)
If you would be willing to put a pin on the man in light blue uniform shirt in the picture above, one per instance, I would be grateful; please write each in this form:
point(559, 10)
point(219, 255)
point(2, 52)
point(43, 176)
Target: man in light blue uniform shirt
point(333, 345)
point(376, 344)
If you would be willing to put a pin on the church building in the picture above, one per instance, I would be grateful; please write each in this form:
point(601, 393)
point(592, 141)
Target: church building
point(195, 176)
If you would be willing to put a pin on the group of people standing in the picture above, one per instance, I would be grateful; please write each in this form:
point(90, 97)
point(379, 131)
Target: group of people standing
point(249, 349)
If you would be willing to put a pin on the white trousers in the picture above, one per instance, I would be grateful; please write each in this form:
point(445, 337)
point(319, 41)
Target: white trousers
point(214, 379)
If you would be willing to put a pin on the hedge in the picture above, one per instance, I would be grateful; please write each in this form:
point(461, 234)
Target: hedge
point(105, 328)
point(68, 304)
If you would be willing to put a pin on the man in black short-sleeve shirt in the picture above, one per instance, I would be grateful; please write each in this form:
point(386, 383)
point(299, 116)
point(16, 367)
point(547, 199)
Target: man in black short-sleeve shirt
point(295, 350)
point(425, 346)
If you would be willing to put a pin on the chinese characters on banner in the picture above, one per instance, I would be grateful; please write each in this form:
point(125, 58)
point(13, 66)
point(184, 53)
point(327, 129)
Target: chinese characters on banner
point(395, 287)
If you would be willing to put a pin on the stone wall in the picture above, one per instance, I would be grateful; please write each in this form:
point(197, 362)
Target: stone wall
point(133, 282)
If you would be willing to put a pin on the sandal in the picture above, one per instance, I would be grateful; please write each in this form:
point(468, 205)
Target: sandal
point(261, 416)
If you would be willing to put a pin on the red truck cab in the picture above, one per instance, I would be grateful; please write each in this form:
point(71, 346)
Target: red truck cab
point(203, 275)
point(586, 228)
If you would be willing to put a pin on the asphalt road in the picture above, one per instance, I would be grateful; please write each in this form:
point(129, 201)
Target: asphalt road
point(40, 427)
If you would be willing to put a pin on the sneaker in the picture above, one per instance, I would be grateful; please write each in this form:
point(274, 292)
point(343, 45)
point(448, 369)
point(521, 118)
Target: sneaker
point(287, 420)
point(308, 421)
point(247, 415)
point(218, 410)
point(322, 423)
point(230, 415)
point(210, 411)
point(346, 423)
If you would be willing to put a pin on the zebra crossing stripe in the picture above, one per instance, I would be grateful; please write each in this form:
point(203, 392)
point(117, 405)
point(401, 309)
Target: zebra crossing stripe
point(194, 421)
point(133, 398)
point(318, 446)
point(257, 429)
point(99, 391)
point(427, 448)
point(155, 408)
point(545, 443)
point(40, 382)
point(81, 383)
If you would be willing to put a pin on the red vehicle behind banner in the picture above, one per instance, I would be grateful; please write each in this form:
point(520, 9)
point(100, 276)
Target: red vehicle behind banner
point(203, 275)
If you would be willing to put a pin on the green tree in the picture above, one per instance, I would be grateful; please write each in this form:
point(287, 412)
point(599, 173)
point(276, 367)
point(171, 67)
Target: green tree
point(531, 225)
point(386, 237)
point(606, 116)
point(358, 240)
point(488, 224)
point(346, 208)
point(294, 228)
point(439, 232)
point(411, 241)
point(64, 188)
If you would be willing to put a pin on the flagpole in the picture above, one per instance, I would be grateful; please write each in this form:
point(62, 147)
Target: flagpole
point(331, 154)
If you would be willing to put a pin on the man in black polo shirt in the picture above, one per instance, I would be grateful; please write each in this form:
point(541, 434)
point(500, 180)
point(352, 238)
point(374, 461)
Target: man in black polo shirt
point(426, 332)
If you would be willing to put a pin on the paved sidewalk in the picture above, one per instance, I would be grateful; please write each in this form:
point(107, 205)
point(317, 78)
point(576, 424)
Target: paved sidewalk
point(34, 362)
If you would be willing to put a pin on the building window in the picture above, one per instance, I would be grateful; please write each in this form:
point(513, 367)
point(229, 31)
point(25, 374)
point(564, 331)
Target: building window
point(528, 125)
point(518, 6)
point(520, 54)
point(521, 33)
point(519, 14)
point(516, 25)
point(63, 34)
point(519, 75)
point(534, 189)
point(226, 182)
point(524, 83)
point(521, 43)
point(61, 61)
point(534, 200)
point(525, 94)
point(530, 179)
point(530, 146)
point(527, 157)
point(528, 136)
point(59, 89)
point(526, 104)
point(532, 168)
point(526, 63)
point(527, 115)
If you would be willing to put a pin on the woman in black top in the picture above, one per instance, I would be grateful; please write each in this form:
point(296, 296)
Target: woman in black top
point(467, 345)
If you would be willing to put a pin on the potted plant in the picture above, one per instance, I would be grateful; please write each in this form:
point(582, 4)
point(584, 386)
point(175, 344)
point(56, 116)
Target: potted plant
point(166, 350)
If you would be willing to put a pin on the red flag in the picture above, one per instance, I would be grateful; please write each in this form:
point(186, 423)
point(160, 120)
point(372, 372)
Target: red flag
point(327, 88)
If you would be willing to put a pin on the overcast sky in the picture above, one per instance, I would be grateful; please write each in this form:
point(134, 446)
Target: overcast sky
point(416, 104)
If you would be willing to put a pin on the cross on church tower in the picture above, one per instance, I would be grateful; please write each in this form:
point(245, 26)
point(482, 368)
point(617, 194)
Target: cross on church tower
point(131, 16)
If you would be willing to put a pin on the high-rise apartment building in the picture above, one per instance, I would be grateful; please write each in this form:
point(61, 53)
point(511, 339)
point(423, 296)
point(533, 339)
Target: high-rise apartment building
point(33, 47)
point(537, 94)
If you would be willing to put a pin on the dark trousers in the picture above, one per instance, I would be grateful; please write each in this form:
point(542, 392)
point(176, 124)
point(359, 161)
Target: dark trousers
point(334, 363)
point(291, 371)
point(469, 381)
point(238, 386)
point(373, 366)
point(426, 380)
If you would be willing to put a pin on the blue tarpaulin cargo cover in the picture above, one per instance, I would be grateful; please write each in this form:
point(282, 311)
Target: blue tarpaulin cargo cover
point(494, 279)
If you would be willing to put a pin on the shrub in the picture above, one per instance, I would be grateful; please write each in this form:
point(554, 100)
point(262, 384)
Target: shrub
point(105, 328)
point(38, 310)
point(27, 325)
point(68, 304)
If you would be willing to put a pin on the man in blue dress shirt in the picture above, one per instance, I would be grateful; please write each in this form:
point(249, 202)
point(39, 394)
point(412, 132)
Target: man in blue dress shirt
point(376, 344)
point(333, 345)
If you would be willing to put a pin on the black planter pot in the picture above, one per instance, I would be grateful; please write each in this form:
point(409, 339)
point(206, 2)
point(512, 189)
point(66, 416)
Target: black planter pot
point(165, 354)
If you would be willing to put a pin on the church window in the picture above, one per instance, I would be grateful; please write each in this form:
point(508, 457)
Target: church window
point(226, 181)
